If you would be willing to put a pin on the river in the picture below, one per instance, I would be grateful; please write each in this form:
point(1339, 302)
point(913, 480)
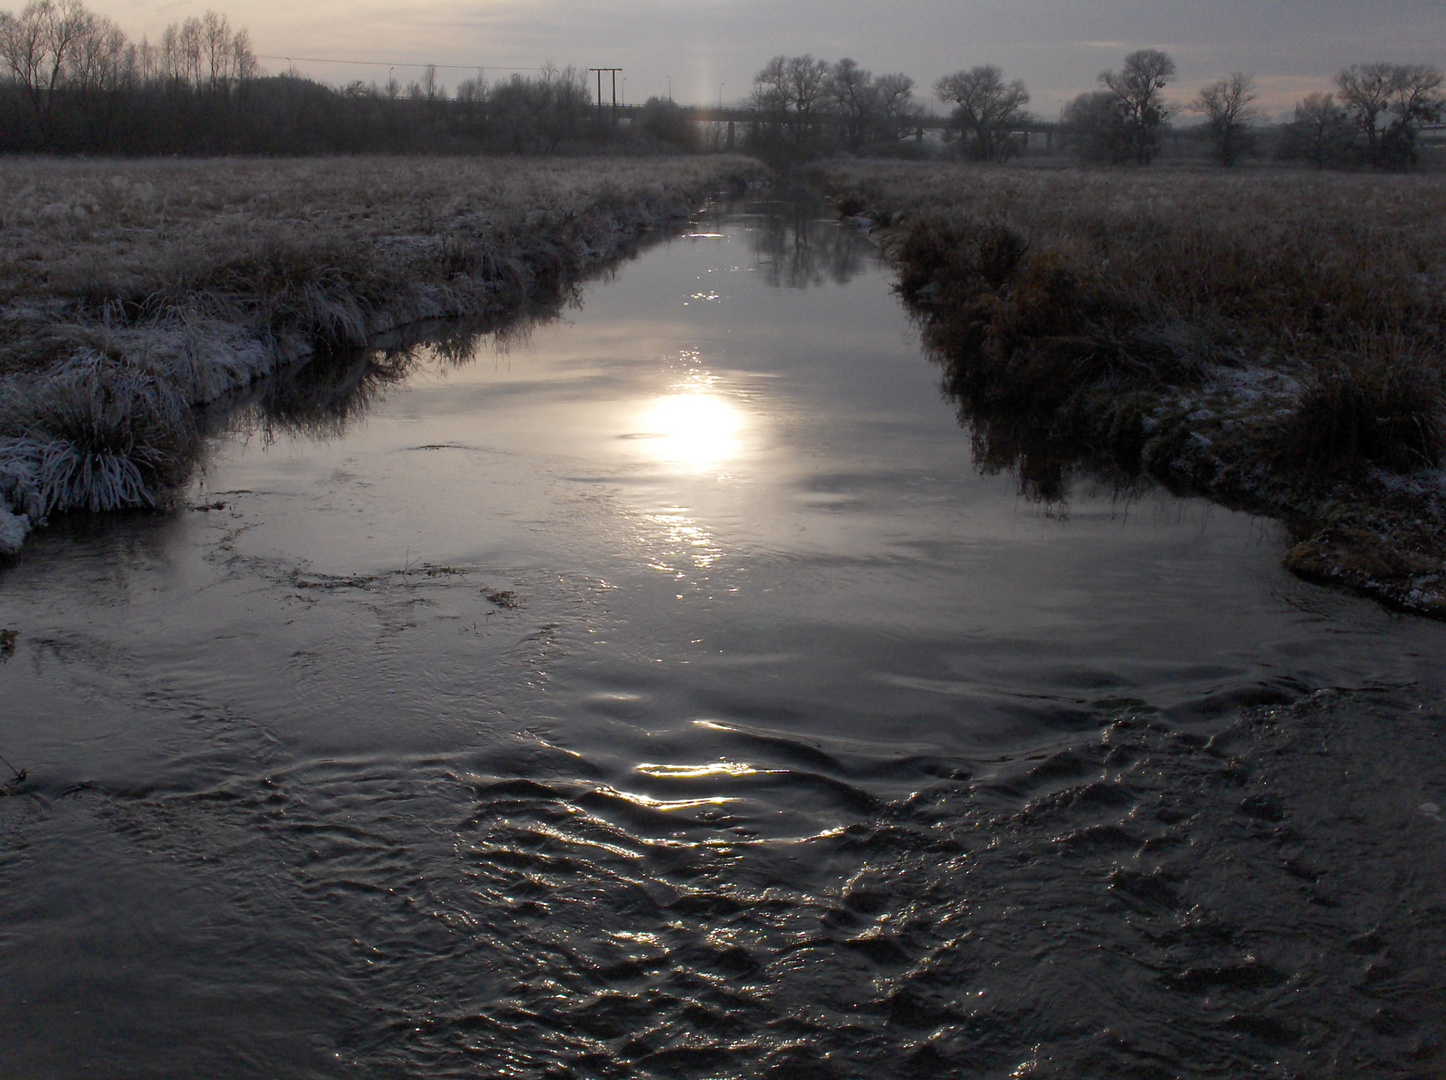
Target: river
point(660, 691)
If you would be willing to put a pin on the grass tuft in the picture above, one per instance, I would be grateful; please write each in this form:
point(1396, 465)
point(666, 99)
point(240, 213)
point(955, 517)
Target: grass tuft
point(1381, 406)
point(97, 435)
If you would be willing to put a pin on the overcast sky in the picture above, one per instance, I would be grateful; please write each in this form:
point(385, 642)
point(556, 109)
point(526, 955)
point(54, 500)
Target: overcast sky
point(1057, 46)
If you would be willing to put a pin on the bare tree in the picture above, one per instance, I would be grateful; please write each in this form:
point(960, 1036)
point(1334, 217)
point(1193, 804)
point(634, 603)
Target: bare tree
point(147, 61)
point(1365, 90)
point(22, 47)
point(1320, 132)
point(243, 59)
point(806, 86)
point(1095, 123)
point(99, 60)
point(205, 54)
point(1139, 89)
point(669, 124)
point(987, 107)
point(181, 53)
point(561, 98)
point(898, 111)
point(472, 91)
point(791, 96)
point(215, 41)
point(1229, 112)
point(1416, 93)
point(770, 100)
point(40, 44)
point(432, 86)
point(856, 97)
point(1411, 91)
point(1415, 100)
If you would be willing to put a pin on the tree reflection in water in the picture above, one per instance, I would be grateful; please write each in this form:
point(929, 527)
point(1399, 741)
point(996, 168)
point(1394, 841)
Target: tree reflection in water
point(1042, 448)
point(319, 399)
point(794, 245)
point(797, 246)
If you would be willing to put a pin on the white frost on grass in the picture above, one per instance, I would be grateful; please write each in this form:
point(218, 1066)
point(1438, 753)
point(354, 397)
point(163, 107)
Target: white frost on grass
point(1424, 483)
point(13, 530)
point(88, 433)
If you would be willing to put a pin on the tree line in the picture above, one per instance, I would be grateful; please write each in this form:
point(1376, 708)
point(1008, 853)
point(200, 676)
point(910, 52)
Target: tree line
point(803, 107)
point(1373, 118)
point(72, 82)
point(806, 106)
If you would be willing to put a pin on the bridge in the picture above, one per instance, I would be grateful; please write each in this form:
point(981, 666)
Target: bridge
point(734, 114)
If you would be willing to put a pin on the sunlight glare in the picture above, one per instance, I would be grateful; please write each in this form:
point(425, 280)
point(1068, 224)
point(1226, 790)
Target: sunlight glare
point(694, 429)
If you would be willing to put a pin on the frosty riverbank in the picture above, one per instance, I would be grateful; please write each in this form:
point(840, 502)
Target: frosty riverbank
point(131, 292)
point(1270, 338)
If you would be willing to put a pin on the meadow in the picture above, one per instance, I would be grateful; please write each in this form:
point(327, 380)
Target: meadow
point(132, 291)
point(1271, 338)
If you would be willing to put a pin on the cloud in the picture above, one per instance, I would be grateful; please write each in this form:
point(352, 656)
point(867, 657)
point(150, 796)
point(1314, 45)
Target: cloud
point(1057, 46)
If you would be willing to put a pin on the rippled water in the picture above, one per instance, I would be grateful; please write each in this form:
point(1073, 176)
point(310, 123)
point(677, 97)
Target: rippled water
point(662, 693)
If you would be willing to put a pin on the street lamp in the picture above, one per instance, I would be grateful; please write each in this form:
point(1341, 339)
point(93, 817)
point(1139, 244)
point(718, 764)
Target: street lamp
point(721, 85)
point(670, 86)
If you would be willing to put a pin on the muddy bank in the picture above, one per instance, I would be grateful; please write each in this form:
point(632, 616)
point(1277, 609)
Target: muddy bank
point(132, 292)
point(1270, 340)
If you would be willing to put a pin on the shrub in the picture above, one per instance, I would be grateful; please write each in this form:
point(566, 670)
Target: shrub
point(103, 436)
point(1381, 406)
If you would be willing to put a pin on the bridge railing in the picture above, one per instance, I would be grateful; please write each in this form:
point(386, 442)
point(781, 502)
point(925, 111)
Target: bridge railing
point(740, 115)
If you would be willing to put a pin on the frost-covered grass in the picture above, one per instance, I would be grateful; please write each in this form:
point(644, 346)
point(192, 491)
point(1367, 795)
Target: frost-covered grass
point(92, 435)
point(131, 291)
point(1272, 338)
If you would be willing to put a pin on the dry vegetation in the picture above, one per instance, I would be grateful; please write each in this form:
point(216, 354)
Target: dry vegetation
point(132, 291)
point(1273, 339)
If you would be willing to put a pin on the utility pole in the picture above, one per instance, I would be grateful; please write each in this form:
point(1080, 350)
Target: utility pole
point(614, 72)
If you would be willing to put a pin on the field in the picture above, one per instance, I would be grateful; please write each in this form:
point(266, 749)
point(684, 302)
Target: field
point(131, 291)
point(1270, 338)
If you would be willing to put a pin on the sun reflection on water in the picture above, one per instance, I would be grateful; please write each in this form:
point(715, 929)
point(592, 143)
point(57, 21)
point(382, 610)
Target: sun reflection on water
point(695, 430)
point(681, 540)
point(693, 427)
point(697, 772)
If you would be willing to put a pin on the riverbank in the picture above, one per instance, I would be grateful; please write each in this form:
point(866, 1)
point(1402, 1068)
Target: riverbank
point(1271, 339)
point(133, 291)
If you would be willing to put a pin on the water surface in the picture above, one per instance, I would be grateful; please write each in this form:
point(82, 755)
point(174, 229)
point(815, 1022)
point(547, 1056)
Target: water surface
point(662, 692)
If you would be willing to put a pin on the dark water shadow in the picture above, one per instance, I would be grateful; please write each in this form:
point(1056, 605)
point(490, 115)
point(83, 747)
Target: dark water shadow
point(321, 399)
point(796, 244)
point(1047, 458)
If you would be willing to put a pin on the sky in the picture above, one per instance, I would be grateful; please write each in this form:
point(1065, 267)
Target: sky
point(710, 49)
